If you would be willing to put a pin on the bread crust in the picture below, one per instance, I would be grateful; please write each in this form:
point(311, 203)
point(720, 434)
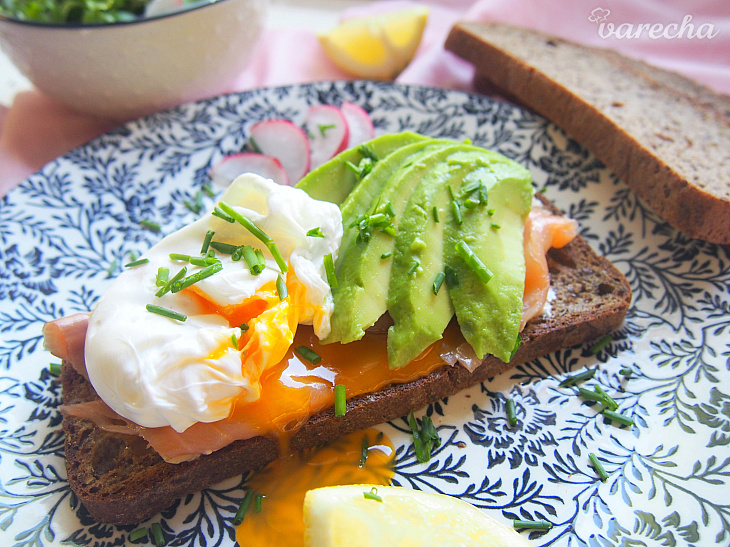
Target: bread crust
point(120, 480)
point(669, 163)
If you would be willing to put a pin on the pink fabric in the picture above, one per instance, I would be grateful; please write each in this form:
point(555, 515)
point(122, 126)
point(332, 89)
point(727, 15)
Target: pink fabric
point(35, 130)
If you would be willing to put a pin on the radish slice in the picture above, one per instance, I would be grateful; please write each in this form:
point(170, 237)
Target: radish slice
point(328, 132)
point(285, 141)
point(359, 123)
point(226, 170)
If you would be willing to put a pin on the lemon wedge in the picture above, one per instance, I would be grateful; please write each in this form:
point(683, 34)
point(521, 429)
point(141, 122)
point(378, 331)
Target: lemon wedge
point(378, 47)
point(342, 516)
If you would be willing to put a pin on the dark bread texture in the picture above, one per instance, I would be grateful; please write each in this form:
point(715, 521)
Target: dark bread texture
point(122, 481)
point(664, 135)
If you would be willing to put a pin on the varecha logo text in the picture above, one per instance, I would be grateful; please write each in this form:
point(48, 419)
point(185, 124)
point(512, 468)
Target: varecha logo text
point(684, 29)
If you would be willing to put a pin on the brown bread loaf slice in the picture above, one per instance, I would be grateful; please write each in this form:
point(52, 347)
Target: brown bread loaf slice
point(122, 481)
point(664, 135)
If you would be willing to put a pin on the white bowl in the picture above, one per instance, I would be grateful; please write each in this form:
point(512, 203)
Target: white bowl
point(125, 70)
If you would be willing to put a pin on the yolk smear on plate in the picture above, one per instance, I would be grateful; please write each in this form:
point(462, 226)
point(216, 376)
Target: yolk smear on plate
point(284, 483)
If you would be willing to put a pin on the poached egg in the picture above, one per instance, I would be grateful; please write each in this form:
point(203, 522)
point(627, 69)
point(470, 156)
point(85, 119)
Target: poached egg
point(159, 371)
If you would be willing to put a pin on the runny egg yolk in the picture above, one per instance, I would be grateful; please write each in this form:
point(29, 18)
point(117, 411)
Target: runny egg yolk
point(284, 483)
point(268, 324)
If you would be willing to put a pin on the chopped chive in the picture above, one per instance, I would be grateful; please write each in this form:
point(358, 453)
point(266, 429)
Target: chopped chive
point(221, 214)
point(254, 145)
point(133, 256)
point(362, 169)
point(618, 417)
point(162, 276)
point(610, 403)
point(225, 248)
point(329, 270)
point(197, 276)
point(252, 260)
point(55, 369)
point(323, 128)
point(168, 286)
point(543, 190)
point(389, 210)
point(206, 242)
point(483, 195)
point(438, 282)
point(197, 205)
point(456, 209)
point(580, 377)
point(258, 502)
point(138, 534)
point(414, 266)
point(234, 341)
point(156, 532)
point(367, 152)
point(372, 495)
point(150, 225)
point(598, 467)
point(315, 232)
point(435, 212)
point(179, 257)
point(470, 187)
point(137, 263)
point(473, 261)
point(238, 518)
point(511, 413)
point(208, 191)
point(424, 437)
point(111, 268)
point(243, 327)
point(626, 372)
point(159, 310)
point(340, 400)
point(471, 203)
point(281, 288)
point(309, 354)
point(534, 524)
point(602, 343)
point(257, 232)
point(386, 255)
point(364, 448)
point(201, 261)
point(274, 250)
point(496, 226)
point(490, 212)
point(591, 395)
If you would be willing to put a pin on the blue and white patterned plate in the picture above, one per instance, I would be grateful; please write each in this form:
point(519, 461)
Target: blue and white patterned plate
point(65, 232)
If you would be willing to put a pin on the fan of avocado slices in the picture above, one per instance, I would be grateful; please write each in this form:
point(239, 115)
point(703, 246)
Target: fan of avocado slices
point(432, 228)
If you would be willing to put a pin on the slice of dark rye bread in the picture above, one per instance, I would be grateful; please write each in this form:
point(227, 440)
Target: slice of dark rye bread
point(120, 480)
point(664, 135)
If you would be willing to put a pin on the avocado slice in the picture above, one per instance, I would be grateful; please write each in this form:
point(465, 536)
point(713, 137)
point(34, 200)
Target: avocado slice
point(489, 313)
point(419, 315)
point(334, 180)
point(362, 274)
